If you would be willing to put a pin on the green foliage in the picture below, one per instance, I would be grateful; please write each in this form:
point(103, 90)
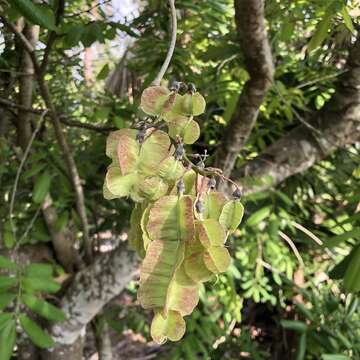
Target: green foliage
point(24, 287)
point(308, 40)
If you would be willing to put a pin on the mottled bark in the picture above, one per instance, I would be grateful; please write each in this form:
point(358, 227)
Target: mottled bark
point(336, 125)
point(249, 16)
point(72, 351)
point(91, 289)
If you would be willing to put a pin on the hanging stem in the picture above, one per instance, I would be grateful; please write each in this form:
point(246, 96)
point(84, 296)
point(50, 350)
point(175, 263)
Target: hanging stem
point(171, 49)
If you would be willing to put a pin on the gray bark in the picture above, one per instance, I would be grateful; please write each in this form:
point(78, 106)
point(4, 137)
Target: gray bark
point(91, 289)
point(249, 16)
point(335, 125)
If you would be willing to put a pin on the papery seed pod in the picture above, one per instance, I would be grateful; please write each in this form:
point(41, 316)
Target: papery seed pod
point(180, 187)
point(200, 164)
point(237, 194)
point(191, 88)
point(212, 183)
point(199, 206)
point(179, 152)
point(140, 136)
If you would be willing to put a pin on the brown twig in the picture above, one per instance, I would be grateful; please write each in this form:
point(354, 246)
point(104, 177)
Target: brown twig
point(65, 119)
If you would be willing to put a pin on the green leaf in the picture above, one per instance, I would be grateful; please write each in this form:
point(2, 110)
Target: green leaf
point(31, 283)
point(9, 239)
point(6, 299)
point(7, 339)
point(7, 282)
point(258, 216)
point(294, 325)
point(39, 270)
point(338, 239)
point(62, 221)
point(231, 215)
point(43, 308)
point(35, 169)
point(352, 274)
point(301, 350)
point(41, 187)
point(170, 327)
point(5, 317)
point(73, 35)
point(36, 13)
point(38, 336)
point(321, 31)
point(347, 19)
point(6, 263)
point(104, 72)
point(334, 357)
point(338, 272)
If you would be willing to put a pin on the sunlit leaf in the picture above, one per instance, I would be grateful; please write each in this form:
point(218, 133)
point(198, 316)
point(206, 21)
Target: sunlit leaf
point(231, 215)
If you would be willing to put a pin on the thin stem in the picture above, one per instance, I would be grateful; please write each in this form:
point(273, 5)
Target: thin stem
point(18, 173)
point(15, 250)
point(171, 49)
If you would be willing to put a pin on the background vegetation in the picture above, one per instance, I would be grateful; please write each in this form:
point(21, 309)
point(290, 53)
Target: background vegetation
point(292, 289)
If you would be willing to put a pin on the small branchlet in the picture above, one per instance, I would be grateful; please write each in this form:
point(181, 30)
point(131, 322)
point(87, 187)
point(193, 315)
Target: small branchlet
point(179, 152)
point(237, 194)
point(180, 186)
point(140, 136)
point(199, 206)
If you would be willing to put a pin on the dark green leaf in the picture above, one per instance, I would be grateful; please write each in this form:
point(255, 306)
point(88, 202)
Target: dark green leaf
point(320, 32)
point(36, 13)
point(40, 284)
point(43, 308)
point(294, 325)
point(6, 263)
point(6, 299)
point(7, 339)
point(38, 336)
point(7, 282)
point(41, 188)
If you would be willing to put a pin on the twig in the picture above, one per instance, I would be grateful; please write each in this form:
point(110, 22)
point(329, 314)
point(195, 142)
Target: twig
point(31, 224)
point(293, 247)
point(171, 49)
point(52, 36)
point(65, 119)
point(89, 9)
point(307, 232)
point(17, 177)
point(95, 127)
